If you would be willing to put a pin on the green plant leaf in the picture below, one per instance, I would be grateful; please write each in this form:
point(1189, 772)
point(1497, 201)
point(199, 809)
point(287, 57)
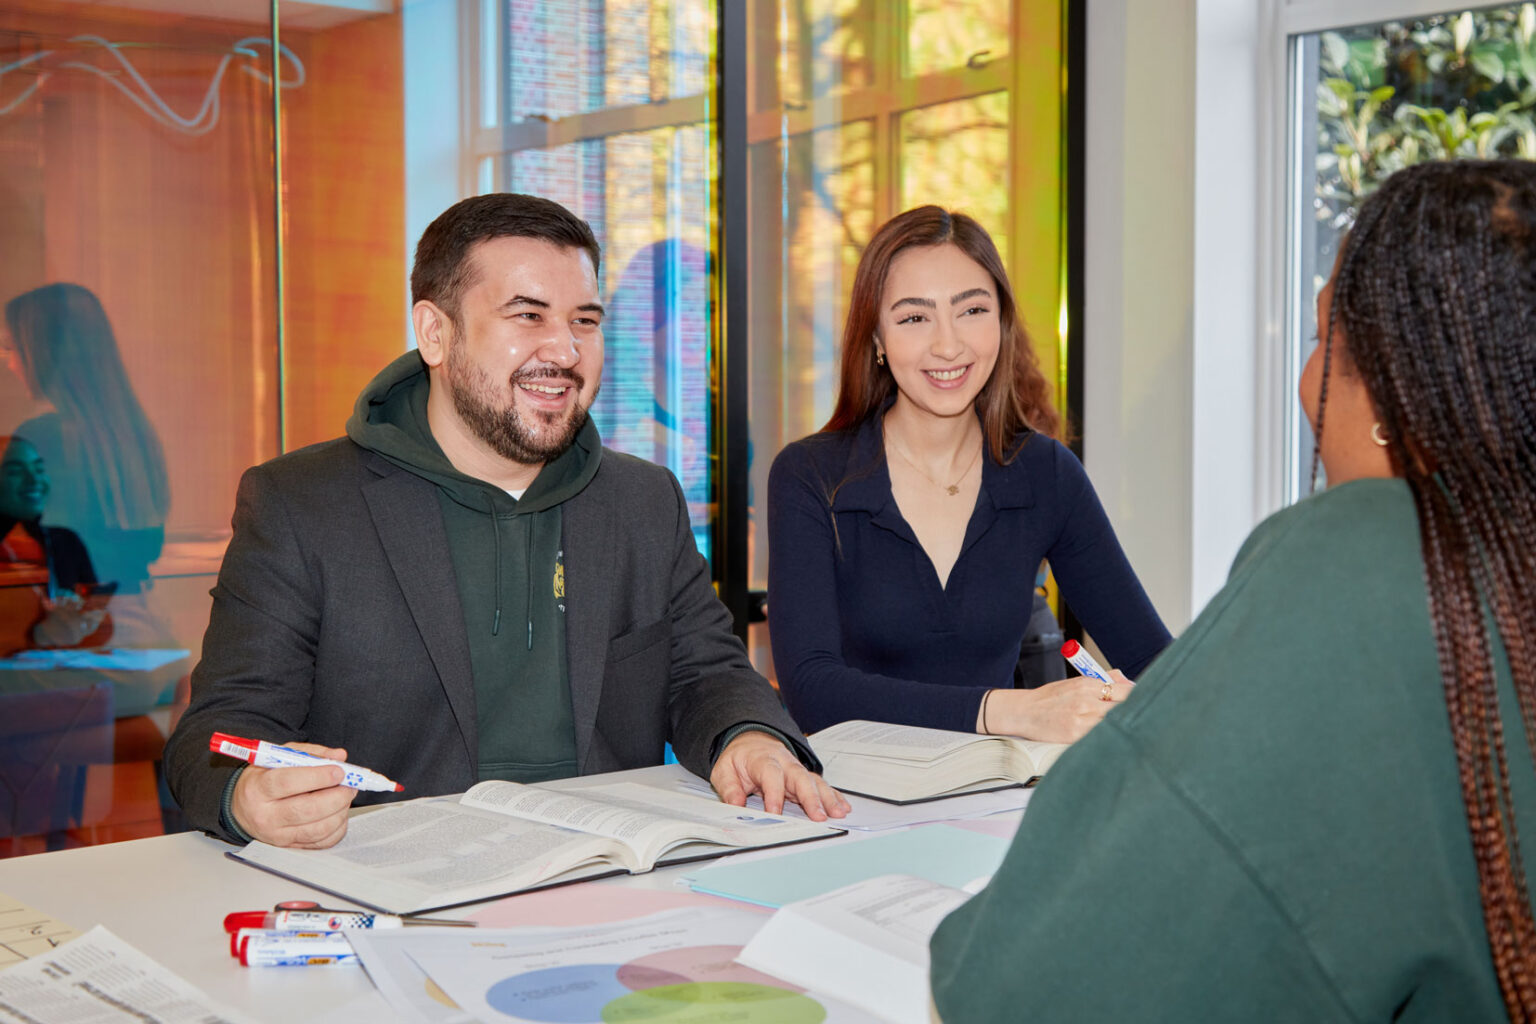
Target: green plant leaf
point(1486, 62)
point(1335, 51)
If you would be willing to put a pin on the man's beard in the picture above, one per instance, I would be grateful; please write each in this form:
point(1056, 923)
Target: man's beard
point(500, 425)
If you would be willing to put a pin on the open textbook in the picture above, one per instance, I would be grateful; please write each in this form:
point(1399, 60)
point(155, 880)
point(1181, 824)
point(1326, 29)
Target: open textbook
point(503, 837)
point(906, 763)
point(865, 944)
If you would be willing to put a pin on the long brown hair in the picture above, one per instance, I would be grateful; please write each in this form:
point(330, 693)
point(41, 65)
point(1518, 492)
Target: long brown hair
point(1436, 298)
point(70, 357)
point(1017, 397)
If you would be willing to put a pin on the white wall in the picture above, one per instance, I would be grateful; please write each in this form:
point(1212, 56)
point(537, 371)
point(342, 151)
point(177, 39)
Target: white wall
point(1172, 385)
point(1138, 281)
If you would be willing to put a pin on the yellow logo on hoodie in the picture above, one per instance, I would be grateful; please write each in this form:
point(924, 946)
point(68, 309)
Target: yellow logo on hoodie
point(559, 580)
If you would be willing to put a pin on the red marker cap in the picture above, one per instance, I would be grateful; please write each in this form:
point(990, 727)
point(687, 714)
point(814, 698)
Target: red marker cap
point(219, 740)
point(246, 919)
point(1070, 648)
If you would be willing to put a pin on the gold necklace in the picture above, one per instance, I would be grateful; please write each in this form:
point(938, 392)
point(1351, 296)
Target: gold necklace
point(950, 489)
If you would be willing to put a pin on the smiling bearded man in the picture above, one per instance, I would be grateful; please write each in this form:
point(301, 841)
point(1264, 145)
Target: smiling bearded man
point(469, 585)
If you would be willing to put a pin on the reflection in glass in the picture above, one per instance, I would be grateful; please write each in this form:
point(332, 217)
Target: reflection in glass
point(137, 275)
point(648, 196)
point(824, 47)
point(103, 456)
point(49, 592)
point(812, 213)
point(859, 110)
point(656, 399)
point(804, 252)
point(577, 56)
point(955, 155)
point(572, 175)
point(945, 34)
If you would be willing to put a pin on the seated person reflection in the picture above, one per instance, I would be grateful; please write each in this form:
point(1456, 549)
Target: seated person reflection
point(48, 589)
point(1309, 808)
point(110, 484)
point(469, 585)
point(904, 538)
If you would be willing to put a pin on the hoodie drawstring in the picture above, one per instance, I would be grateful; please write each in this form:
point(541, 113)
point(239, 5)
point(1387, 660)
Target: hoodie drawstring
point(527, 574)
point(496, 532)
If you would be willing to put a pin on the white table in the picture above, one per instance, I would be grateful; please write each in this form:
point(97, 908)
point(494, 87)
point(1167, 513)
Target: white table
point(168, 895)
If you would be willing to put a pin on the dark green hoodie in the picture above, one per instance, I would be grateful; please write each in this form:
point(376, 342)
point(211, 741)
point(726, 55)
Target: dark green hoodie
point(509, 565)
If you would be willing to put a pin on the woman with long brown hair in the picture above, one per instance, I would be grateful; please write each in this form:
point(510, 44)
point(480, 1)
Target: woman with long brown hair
point(110, 483)
point(1312, 807)
point(905, 537)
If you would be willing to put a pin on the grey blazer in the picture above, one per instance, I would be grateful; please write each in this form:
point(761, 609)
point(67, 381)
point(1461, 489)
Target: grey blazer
point(336, 620)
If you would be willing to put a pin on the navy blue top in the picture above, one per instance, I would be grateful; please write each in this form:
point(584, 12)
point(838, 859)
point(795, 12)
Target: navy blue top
point(862, 628)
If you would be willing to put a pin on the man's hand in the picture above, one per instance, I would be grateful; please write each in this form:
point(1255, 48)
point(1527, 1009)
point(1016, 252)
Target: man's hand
point(303, 807)
point(756, 762)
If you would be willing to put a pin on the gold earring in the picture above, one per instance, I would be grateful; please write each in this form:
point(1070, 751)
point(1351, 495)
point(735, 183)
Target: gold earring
point(1379, 436)
point(879, 358)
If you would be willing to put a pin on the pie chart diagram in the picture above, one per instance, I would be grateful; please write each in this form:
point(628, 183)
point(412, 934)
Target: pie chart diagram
point(692, 985)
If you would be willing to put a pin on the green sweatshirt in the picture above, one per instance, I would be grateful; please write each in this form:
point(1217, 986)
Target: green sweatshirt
point(509, 566)
point(1271, 828)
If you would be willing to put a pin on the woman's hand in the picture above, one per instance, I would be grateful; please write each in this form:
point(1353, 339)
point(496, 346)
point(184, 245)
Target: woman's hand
point(1059, 712)
point(66, 621)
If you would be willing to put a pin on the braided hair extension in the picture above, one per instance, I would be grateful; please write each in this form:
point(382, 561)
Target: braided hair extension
point(1435, 294)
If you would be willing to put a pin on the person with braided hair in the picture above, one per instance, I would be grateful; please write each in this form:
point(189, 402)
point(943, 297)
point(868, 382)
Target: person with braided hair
point(1311, 807)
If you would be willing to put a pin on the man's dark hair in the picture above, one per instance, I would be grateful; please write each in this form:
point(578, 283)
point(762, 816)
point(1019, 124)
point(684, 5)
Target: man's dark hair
point(443, 268)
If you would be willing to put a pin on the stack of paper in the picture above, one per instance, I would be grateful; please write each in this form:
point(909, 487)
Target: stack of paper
point(677, 964)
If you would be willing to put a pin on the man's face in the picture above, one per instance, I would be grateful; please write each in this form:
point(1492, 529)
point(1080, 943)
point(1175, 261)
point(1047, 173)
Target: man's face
point(526, 359)
point(23, 482)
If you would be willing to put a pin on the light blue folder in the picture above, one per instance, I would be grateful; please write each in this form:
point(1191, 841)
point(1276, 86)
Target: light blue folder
point(940, 853)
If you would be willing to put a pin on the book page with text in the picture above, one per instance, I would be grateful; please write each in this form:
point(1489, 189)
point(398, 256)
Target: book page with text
point(882, 739)
point(647, 819)
point(436, 852)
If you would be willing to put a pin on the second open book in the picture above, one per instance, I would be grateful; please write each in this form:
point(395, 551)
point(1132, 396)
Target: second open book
point(502, 837)
point(905, 763)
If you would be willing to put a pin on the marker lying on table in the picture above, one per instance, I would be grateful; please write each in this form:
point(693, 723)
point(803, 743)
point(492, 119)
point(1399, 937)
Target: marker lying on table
point(270, 755)
point(277, 949)
point(320, 919)
point(1084, 662)
point(238, 937)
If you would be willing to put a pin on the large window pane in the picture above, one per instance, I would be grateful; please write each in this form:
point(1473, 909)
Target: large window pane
point(943, 34)
point(577, 56)
point(818, 47)
point(656, 398)
point(1378, 98)
point(138, 269)
point(156, 355)
point(956, 155)
point(648, 193)
point(860, 111)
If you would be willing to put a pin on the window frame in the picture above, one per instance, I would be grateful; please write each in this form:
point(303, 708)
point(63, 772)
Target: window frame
point(1286, 299)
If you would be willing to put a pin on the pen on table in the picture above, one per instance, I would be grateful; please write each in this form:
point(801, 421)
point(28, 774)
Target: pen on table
point(271, 755)
point(321, 919)
point(1084, 662)
point(238, 937)
point(279, 949)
